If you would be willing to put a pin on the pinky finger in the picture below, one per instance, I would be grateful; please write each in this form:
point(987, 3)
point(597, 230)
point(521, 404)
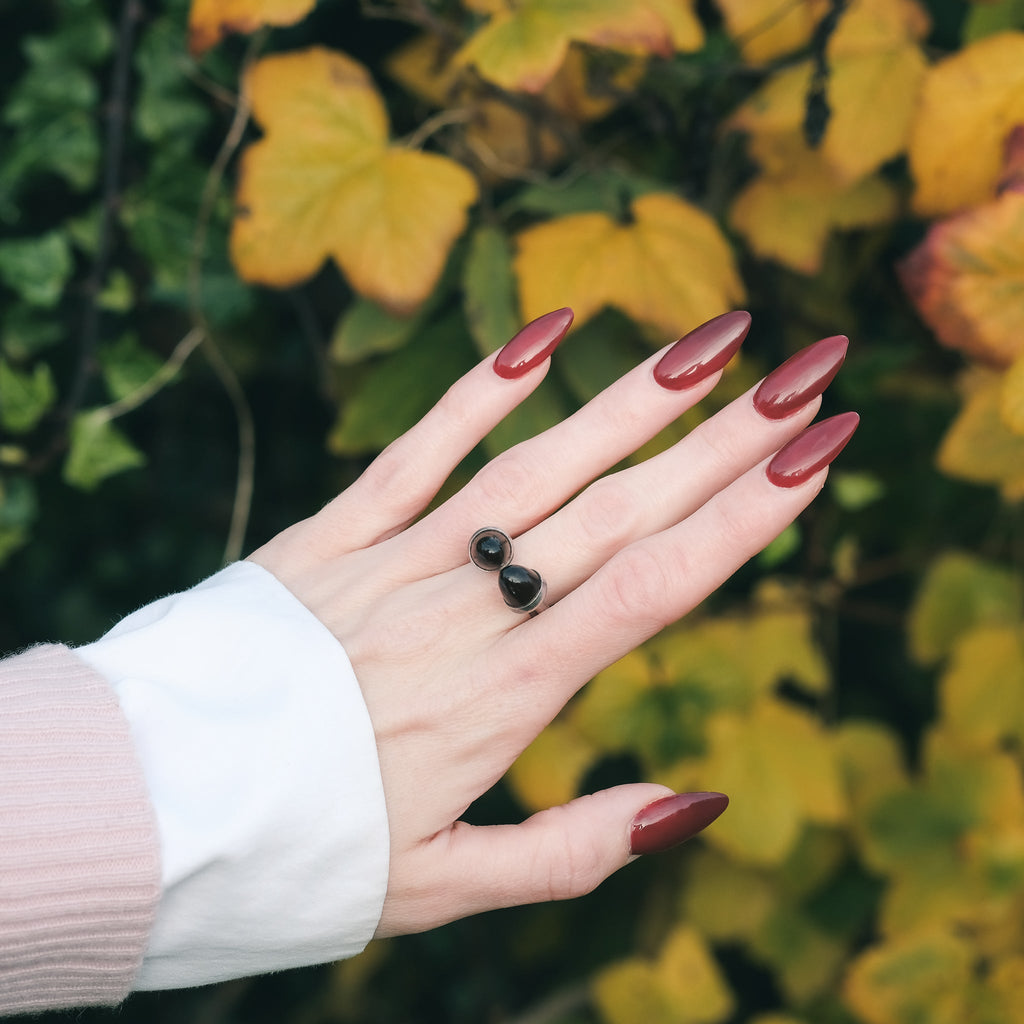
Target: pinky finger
point(402, 480)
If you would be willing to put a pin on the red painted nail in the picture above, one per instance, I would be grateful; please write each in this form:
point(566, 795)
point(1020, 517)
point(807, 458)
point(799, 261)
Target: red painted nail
point(811, 450)
point(703, 351)
point(533, 344)
point(800, 378)
point(674, 819)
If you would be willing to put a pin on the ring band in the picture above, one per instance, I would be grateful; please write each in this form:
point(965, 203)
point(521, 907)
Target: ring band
point(522, 589)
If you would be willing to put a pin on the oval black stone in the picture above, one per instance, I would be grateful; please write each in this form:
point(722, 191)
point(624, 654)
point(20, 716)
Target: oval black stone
point(490, 549)
point(521, 588)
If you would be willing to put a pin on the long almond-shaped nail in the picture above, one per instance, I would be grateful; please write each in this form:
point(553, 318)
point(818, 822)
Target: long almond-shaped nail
point(533, 344)
point(703, 351)
point(811, 450)
point(801, 377)
point(674, 819)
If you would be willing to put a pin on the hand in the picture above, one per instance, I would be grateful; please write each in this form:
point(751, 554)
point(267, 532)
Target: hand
point(456, 683)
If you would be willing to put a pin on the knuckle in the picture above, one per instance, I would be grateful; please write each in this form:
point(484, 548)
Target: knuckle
point(607, 513)
point(392, 479)
point(640, 585)
point(509, 481)
point(724, 450)
point(574, 869)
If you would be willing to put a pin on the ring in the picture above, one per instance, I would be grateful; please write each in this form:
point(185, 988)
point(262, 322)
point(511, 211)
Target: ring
point(521, 589)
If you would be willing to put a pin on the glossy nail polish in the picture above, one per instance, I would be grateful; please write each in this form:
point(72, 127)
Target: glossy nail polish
point(800, 378)
point(674, 819)
point(703, 351)
point(811, 450)
point(533, 344)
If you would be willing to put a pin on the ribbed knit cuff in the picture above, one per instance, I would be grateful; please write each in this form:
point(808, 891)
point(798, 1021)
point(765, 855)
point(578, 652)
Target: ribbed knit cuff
point(79, 853)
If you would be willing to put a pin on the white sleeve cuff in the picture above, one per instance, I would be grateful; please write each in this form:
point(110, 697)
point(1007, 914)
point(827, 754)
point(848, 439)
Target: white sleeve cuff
point(261, 763)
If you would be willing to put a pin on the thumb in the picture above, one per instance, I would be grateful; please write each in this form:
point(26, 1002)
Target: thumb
point(568, 851)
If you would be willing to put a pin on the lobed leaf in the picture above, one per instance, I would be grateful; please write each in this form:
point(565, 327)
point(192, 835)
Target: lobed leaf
point(324, 182)
point(209, 21)
point(668, 267)
point(521, 47)
point(969, 102)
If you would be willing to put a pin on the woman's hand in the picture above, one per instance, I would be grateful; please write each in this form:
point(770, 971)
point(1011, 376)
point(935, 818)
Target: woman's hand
point(457, 684)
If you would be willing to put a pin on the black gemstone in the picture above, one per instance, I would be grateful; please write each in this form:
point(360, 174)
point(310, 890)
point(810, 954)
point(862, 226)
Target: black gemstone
point(522, 588)
point(490, 549)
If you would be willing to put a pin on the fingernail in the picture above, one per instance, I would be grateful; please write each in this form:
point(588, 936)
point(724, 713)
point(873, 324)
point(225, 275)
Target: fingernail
point(704, 350)
point(533, 344)
point(800, 378)
point(674, 819)
point(811, 450)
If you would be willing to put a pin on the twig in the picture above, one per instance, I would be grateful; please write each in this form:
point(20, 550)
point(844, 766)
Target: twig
point(556, 1007)
point(113, 151)
point(434, 123)
point(222, 368)
point(162, 377)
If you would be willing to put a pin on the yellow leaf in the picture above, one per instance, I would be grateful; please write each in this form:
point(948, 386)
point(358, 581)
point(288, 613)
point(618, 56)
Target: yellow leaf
point(871, 761)
point(209, 21)
point(978, 447)
point(959, 593)
point(969, 102)
point(1011, 397)
point(967, 279)
point(324, 182)
point(548, 773)
point(872, 25)
point(522, 46)
point(726, 901)
point(1004, 985)
point(683, 986)
point(982, 692)
point(670, 267)
point(805, 958)
point(789, 217)
point(872, 97)
point(691, 979)
point(766, 29)
point(923, 977)
point(780, 770)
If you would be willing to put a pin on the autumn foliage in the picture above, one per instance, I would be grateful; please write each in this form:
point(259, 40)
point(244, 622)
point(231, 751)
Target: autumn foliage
point(343, 205)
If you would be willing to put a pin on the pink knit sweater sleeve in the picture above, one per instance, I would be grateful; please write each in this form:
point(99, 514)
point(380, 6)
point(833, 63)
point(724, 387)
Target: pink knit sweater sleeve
point(79, 855)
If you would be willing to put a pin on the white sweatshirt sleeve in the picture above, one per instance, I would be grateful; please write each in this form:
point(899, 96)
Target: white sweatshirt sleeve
point(262, 767)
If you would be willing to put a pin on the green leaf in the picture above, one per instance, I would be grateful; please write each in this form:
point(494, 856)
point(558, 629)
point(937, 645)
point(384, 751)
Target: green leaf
point(18, 510)
point(399, 389)
point(365, 330)
point(544, 408)
point(126, 365)
point(98, 450)
point(608, 190)
point(37, 268)
point(118, 294)
point(959, 593)
point(854, 491)
point(988, 18)
point(84, 36)
point(24, 333)
point(489, 288)
point(66, 145)
point(25, 397)
point(598, 353)
point(168, 110)
point(782, 548)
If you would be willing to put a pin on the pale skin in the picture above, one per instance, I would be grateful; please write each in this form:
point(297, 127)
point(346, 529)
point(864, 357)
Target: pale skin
point(456, 683)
